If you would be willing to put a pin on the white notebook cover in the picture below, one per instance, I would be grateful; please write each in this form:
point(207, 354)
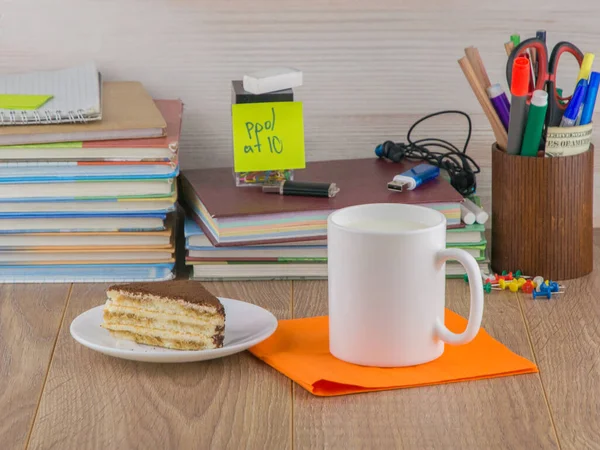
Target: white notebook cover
point(76, 95)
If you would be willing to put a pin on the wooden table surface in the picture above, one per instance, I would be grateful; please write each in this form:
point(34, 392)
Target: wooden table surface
point(57, 394)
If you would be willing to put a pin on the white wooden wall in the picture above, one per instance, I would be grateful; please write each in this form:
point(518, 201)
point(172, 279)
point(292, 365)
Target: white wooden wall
point(371, 67)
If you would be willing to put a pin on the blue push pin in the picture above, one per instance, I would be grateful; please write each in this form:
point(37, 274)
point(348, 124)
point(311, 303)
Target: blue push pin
point(552, 286)
point(546, 291)
point(542, 293)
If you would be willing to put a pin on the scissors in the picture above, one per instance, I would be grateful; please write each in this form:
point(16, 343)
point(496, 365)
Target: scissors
point(546, 73)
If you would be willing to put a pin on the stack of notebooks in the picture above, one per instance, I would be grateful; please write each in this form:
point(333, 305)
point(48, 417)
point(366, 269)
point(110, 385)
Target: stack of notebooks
point(241, 233)
point(87, 179)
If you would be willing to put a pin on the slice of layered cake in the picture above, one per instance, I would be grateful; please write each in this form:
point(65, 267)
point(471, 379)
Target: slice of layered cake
point(180, 315)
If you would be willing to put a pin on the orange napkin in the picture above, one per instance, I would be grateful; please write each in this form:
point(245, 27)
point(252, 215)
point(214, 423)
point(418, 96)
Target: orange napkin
point(300, 350)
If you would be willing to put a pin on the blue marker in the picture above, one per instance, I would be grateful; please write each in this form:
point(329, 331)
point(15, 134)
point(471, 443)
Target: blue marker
point(570, 117)
point(414, 177)
point(590, 99)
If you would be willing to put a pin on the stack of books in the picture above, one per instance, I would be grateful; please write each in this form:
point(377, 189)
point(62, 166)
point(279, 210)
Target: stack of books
point(470, 238)
point(241, 233)
point(87, 180)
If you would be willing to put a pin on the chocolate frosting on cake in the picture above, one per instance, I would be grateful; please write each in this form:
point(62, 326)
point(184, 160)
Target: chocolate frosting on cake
point(179, 290)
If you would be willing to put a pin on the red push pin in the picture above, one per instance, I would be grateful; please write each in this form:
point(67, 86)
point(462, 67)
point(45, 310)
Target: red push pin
point(527, 287)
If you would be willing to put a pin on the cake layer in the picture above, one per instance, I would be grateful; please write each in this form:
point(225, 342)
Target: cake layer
point(198, 340)
point(165, 323)
point(175, 344)
point(185, 293)
point(157, 304)
point(202, 321)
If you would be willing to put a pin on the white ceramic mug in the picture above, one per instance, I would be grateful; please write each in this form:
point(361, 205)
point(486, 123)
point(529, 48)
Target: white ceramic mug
point(387, 283)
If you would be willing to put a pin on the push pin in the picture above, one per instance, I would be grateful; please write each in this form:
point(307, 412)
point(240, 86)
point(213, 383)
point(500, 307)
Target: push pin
point(490, 278)
point(527, 287)
point(547, 294)
point(521, 281)
point(519, 274)
point(483, 278)
point(538, 281)
point(502, 283)
point(552, 287)
point(513, 286)
point(507, 275)
point(543, 288)
point(487, 288)
point(559, 285)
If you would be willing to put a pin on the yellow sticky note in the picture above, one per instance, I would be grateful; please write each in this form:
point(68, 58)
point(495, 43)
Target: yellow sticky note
point(47, 145)
point(268, 136)
point(22, 102)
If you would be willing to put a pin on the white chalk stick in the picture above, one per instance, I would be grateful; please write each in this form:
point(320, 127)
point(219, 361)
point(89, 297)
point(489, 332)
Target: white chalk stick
point(480, 215)
point(466, 215)
point(271, 80)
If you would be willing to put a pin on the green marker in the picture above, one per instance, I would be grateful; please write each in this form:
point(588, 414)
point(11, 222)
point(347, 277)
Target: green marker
point(515, 39)
point(559, 92)
point(535, 123)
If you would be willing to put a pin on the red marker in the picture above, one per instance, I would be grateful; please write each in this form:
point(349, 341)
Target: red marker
point(519, 88)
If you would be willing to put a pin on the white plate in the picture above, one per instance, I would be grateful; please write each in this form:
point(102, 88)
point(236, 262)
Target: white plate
point(245, 326)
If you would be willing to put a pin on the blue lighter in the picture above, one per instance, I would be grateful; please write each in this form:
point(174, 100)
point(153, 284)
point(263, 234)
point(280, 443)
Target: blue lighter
point(413, 178)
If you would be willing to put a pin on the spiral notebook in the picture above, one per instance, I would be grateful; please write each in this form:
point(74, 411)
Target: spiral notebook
point(60, 96)
point(128, 112)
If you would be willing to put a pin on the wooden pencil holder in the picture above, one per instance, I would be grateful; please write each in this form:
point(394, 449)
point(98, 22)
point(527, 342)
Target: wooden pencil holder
point(542, 214)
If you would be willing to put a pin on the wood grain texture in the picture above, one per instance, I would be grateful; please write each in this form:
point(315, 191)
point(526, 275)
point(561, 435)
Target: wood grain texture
point(542, 214)
point(369, 67)
point(30, 317)
point(565, 332)
point(92, 401)
point(493, 414)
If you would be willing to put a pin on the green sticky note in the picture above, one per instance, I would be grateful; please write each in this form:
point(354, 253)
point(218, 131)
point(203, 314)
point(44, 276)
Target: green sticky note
point(268, 136)
point(22, 102)
point(47, 145)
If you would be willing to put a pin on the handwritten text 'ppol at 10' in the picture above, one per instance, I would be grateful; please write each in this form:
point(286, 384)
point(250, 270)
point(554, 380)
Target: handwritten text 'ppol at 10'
point(266, 129)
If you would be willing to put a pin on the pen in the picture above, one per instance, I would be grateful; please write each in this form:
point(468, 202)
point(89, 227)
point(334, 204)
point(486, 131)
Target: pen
point(535, 123)
point(518, 109)
point(572, 111)
point(305, 188)
point(586, 67)
point(500, 103)
point(590, 99)
point(516, 40)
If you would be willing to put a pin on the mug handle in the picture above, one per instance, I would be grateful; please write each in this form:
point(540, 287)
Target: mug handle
point(476, 287)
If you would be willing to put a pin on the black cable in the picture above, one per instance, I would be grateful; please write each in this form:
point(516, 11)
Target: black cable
point(461, 167)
